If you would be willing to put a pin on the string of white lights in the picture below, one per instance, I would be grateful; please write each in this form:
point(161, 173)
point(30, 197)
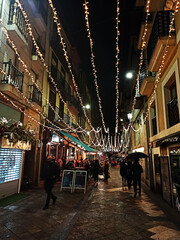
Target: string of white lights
point(46, 67)
point(62, 42)
point(32, 79)
point(93, 63)
point(117, 66)
point(166, 50)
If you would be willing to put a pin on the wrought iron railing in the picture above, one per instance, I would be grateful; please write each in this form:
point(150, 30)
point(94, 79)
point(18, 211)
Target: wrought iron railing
point(13, 75)
point(160, 29)
point(144, 72)
point(35, 95)
point(173, 112)
point(16, 17)
point(154, 126)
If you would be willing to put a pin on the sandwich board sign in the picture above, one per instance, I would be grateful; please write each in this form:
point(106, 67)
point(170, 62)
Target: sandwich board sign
point(80, 180)
point(67, 179)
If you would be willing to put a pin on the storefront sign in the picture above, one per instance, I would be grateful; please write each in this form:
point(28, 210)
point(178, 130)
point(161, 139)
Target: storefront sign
point(19, 145)
point(168, 140)
point(55, 138)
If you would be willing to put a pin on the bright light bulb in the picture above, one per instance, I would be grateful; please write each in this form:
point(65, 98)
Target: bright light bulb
point(129, 75)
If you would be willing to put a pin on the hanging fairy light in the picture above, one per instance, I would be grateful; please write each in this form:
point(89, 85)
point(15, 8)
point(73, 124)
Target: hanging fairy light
point(159, 73)
point(117, 65)
point(65, 55)
point(93, 63)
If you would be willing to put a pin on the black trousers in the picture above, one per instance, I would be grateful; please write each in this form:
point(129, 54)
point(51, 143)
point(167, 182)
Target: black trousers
point(137, 182)
point(48, 185)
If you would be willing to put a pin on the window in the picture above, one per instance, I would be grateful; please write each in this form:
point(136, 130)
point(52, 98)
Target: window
point(153, 119)
point(171, 102)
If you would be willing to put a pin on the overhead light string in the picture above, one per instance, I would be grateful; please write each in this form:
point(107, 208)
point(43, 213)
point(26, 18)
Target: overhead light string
point(43, 61)
point(117, 66)
point(93, 63)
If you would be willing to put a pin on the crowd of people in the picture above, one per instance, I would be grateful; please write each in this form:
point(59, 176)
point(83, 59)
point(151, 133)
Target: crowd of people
point(52, 171)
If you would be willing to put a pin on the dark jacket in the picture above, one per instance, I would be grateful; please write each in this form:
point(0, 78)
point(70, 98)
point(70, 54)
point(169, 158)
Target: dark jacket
point(51, 171)
point(136, 170)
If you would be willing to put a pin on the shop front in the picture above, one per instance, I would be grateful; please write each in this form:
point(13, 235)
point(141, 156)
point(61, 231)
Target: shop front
point(11, 166)
point(169, 162)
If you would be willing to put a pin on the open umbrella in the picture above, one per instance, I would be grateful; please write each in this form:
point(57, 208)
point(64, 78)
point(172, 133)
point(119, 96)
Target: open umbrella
point(136, 155)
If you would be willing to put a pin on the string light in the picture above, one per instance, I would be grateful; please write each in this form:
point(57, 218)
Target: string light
point(43, 61)
point(159, 73)
point(93, 63)
point(117, 66)
point(62, 42)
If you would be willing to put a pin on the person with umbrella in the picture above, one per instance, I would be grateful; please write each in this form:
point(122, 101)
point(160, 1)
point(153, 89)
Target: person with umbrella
point(136, 175)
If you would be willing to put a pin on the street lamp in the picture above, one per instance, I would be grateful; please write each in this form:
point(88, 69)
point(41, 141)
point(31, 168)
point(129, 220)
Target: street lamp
point(129, 116)
point(129, 75)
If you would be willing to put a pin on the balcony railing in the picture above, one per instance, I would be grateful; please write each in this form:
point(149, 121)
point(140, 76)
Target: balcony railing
point(145, 73)
point(173, 112)
point(15, 77)
point(35, 95)
point(16, 17)
point(154, 126)
point(160, 29)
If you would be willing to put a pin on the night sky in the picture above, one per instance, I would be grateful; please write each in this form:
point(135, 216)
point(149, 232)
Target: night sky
point(102, 19)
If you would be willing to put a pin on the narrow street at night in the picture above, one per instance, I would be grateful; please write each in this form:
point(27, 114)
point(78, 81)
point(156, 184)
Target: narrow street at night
point(107, 211)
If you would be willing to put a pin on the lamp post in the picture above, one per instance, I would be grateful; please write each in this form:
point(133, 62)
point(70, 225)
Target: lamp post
point(129, 75)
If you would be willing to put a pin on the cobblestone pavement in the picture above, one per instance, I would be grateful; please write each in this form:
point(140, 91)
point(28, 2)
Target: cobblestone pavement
point(114, 213)
point(107, 211)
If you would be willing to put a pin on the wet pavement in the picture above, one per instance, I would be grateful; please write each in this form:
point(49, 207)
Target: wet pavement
point(106, 211)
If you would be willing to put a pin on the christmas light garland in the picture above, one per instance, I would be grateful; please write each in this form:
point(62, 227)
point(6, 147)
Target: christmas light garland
point(93, 63)
point(43, 61)
point(117, 66)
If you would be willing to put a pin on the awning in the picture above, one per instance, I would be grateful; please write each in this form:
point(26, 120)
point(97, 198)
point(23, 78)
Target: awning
point(78, 142)
point(72, 138)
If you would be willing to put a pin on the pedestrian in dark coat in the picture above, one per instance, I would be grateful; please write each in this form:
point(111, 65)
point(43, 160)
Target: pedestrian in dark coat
point(106, 171)
point(123, 171)
point(129, 174)
point(96, 168)
point(51, 172)
point(136, 174)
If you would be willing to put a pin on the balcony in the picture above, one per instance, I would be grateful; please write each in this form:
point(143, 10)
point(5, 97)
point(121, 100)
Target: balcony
point(15, 77)
point(16, 25)
point(154, 126)
point(173, 112)
point(35, 95)
point(157, 41)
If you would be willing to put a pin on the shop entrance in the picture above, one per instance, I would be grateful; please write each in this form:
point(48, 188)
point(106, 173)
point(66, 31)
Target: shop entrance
point(158, 180)
point(175, 170)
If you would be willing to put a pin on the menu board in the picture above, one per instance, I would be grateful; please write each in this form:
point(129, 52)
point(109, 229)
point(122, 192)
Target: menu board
point(80, 180)
point(67, 179)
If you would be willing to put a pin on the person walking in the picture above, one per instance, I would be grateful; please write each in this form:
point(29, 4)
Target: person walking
point(51, 172)
point(129, 174)
point(106, 171)
point(96, 168)
point(123, 170)
point(136, 175)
